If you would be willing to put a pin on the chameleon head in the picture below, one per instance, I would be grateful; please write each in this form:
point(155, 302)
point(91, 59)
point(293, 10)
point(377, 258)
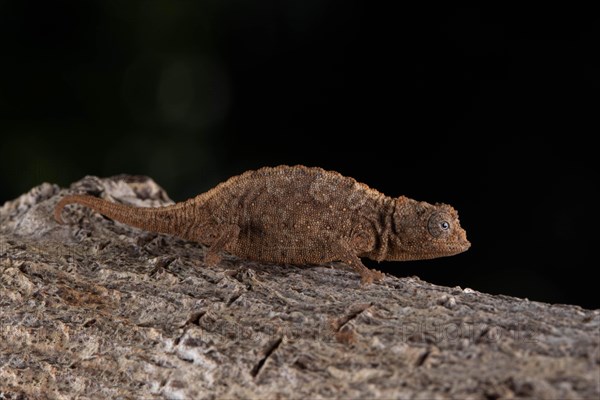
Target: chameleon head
point(422, 231)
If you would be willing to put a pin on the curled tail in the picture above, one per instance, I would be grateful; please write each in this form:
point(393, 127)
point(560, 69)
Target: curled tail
point(159, 219)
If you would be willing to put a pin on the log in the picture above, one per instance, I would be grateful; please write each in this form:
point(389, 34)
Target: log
point(96, 309)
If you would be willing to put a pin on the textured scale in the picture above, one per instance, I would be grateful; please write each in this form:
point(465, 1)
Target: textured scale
point(298, 215)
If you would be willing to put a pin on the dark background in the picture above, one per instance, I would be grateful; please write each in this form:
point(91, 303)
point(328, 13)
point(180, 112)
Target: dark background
point(487, 109)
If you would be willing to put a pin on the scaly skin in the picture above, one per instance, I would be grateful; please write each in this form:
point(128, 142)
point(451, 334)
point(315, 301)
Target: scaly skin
point(298, 215)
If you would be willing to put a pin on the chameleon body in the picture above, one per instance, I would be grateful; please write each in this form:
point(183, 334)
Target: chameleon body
point(298, 215)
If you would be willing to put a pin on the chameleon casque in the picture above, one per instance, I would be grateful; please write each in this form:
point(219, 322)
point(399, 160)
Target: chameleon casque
point(298, 215)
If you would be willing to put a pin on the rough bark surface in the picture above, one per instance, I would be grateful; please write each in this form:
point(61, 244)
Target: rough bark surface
point(96, 309)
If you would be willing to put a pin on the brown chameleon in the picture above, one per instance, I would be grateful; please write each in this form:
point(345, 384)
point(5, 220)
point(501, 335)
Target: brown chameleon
point(298, 215)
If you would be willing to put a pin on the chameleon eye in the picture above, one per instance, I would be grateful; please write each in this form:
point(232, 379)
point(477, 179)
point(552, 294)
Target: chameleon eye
point(438, 224)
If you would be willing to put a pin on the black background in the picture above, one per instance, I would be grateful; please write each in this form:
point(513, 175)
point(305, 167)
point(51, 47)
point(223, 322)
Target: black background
point(490, 109)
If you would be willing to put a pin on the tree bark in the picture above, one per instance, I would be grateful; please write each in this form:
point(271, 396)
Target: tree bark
point(96, 309)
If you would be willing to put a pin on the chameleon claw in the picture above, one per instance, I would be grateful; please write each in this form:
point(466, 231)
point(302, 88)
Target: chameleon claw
point(212, 259)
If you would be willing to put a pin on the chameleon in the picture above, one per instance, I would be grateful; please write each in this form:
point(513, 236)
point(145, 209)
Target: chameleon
point(298, 215)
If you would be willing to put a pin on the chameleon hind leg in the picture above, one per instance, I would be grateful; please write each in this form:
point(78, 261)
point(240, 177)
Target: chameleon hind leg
point(219, 237)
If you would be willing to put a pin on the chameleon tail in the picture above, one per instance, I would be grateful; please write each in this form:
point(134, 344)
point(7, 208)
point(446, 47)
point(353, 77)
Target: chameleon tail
point(147, 218)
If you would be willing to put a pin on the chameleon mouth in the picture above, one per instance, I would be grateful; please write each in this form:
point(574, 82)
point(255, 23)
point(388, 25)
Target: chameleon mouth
point(461, 247)
point(466, 245)
point(453, 249)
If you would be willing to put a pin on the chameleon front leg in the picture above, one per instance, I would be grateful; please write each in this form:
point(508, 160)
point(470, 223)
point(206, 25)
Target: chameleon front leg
point(366, 275)
point(226, 235)
point(347, 254)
